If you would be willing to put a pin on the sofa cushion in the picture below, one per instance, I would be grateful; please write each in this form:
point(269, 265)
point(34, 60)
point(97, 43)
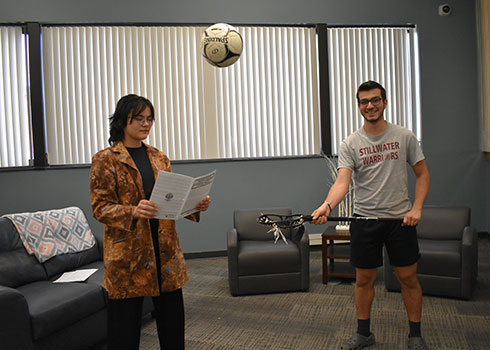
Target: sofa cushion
point(54, 306)
point(71, 261)
point(98, 276)
point(267, 257)
point(440, 258)
point(16, 266)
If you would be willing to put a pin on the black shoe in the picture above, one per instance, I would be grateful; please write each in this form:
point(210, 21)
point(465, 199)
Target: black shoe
point(358, 341)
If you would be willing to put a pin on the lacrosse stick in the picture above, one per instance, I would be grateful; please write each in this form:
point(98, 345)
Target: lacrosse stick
point(297, 220)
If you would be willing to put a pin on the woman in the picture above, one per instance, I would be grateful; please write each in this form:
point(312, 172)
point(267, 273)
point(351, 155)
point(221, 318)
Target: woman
point(142, 255)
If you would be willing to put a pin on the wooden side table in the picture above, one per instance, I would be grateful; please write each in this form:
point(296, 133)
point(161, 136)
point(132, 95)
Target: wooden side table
point(339, 251)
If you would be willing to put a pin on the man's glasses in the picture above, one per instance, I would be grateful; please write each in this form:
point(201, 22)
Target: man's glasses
point(141, 119)
point(374, 101)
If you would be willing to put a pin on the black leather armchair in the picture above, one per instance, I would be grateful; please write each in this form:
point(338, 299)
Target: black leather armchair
point(449, 254)
point(258, 265)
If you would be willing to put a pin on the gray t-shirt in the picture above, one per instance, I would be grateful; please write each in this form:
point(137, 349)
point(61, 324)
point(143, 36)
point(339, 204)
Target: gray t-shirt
point(379, 167)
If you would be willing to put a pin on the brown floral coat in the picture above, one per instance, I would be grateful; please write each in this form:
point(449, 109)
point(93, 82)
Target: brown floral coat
point(129, 259)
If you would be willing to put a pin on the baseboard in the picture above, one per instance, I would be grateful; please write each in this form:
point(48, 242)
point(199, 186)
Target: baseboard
point(222, 253)
point(212, 254)
point(315, 239)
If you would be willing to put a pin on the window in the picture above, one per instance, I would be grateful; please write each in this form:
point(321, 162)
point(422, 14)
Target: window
point(386, 55)
point(265, 105)
point(15, 138)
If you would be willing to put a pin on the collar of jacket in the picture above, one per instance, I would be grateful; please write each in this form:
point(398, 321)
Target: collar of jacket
point(123, 155)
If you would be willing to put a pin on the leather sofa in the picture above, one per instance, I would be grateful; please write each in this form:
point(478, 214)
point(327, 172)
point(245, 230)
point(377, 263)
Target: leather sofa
point(448, 245)
point(37, 314)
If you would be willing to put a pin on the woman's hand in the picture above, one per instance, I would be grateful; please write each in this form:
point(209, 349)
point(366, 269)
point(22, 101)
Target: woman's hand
point(204, 204)
point(145, 210)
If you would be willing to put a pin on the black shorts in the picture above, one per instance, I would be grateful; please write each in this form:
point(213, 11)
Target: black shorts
point(368, 237)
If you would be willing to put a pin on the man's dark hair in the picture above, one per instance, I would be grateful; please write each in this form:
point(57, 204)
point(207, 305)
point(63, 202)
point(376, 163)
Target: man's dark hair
point(370, 85)
point(127, 105)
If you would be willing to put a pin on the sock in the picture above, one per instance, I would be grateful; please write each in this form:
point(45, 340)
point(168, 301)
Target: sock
point(414, 329)
point(363, 327)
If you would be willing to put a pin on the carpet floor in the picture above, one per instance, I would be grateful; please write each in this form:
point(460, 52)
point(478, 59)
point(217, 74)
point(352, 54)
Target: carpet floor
point(321, 318)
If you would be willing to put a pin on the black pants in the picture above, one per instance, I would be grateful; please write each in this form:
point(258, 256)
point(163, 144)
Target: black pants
point(124, 322)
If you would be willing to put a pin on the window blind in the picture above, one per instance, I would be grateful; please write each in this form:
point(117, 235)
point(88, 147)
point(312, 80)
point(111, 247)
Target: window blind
point(386, 55)
point(265, 105)
point(15, 144)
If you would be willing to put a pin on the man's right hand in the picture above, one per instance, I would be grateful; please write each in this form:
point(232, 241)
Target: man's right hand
point(320, 215)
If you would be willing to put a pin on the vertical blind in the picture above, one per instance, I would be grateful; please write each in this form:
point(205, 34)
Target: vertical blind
point(264, 105)
point(15, 144)
point(386, 55)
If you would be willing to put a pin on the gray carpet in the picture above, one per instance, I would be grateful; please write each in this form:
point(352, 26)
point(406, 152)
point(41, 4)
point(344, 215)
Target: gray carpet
point(321, 318)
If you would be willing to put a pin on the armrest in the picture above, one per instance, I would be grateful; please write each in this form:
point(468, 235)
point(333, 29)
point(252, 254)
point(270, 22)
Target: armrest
point(304, 250)
point(15, 323)
point(469, 260)
point(232, 244)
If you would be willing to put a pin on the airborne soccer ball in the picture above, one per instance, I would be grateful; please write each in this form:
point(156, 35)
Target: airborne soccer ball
point(221, 45)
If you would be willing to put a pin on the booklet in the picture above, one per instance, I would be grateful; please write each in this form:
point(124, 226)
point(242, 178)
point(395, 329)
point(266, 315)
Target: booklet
point(75, 276)
point(177, 195)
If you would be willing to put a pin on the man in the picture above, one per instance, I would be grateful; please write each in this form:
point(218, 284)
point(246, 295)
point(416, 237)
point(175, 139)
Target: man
point(376, 155)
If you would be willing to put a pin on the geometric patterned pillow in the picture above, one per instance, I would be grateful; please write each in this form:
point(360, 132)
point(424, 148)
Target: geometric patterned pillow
point(53, 232)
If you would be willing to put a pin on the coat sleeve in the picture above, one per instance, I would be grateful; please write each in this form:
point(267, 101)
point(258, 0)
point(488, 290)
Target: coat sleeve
point(104, 198)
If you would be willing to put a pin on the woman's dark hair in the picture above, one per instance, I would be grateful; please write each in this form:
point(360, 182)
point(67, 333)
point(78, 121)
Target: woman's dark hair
point(127, 105)
point(370, 85)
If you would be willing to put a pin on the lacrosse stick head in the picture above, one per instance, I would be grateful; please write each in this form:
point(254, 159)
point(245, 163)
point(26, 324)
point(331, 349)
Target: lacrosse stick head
point(279, 222)
point(283, 221)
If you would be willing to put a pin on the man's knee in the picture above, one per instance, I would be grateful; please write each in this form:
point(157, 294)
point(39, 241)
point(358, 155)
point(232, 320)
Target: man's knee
point(407, 276)
point(365, 278)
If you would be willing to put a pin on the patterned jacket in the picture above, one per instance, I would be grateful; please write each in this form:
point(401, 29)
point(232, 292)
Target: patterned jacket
point(129, 260)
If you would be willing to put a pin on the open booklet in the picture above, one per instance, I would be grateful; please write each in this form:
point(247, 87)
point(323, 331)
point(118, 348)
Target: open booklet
point(177, 195)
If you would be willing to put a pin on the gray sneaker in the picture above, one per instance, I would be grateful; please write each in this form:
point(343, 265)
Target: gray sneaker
point(417, 343)
point(358, 341)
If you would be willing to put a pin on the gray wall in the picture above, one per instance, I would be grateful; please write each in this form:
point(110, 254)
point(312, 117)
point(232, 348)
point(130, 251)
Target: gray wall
point(449, 87)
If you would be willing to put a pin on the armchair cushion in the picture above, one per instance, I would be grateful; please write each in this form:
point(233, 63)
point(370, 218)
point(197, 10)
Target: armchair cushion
point(441, 258)
point(245, 222)
point(267, 257)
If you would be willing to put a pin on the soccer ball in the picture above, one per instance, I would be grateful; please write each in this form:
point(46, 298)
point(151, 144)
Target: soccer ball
point(221, 45)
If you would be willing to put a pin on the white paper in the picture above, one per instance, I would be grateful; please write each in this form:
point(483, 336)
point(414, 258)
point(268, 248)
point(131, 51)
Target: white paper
point(75, 276)
point(177, 195)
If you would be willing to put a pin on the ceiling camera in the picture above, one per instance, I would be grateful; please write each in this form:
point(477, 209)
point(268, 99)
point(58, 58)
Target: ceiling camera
point(444, 10)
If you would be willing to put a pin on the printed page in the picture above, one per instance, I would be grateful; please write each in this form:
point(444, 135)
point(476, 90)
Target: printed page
point(75, 276)
point(200, 189)
point(170, 193)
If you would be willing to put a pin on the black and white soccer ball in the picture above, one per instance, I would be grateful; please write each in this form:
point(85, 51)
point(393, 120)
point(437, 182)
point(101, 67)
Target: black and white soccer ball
point(221, 45)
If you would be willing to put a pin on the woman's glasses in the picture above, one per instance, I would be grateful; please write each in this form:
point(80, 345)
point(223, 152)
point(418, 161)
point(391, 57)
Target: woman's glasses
point(142, 120)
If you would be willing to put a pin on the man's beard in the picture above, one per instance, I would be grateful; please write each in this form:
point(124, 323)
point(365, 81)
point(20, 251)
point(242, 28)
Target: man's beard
point(373, 120)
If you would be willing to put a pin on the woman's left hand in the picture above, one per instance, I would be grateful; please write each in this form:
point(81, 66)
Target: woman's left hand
point(204, 204)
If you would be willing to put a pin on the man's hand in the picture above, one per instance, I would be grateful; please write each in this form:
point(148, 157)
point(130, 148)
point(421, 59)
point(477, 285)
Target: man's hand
point(320, 215)
point(204, 204)
point(412, 218)
point(145, 210)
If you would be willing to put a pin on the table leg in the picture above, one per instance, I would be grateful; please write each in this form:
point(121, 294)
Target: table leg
point(324, 261)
